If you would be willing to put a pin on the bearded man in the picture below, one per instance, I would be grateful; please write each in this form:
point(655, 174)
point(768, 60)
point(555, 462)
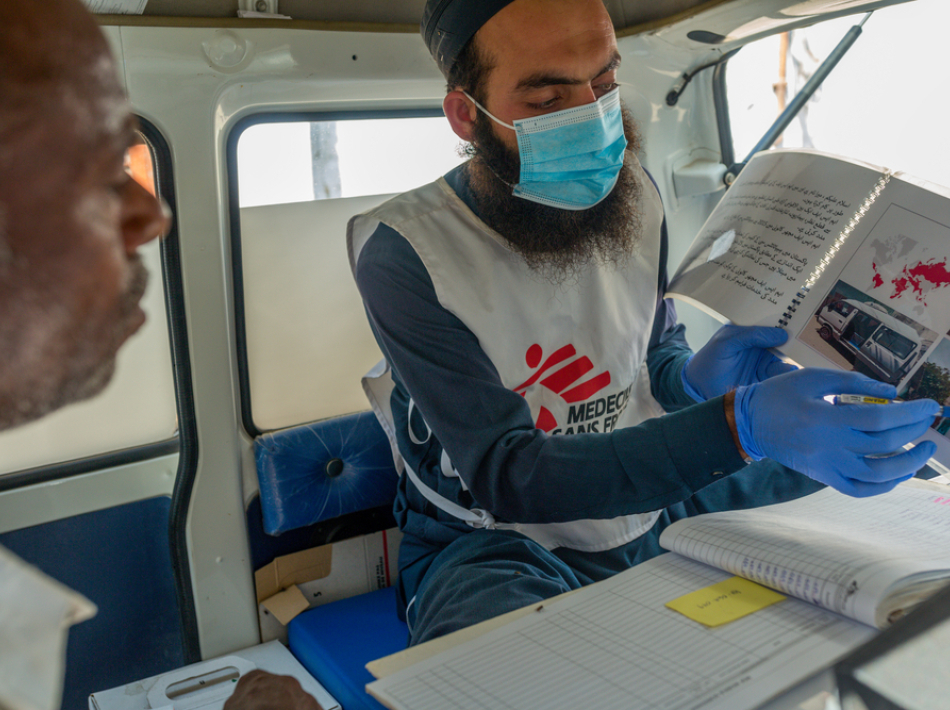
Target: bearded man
point(544, 407)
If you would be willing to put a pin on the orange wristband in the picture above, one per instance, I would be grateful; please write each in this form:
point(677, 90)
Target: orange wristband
point(729, 405)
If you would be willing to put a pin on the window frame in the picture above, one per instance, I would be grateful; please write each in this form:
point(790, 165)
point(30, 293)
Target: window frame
point(234, 213)
point(720, 91)
point(171, 278)
point(185, 441)
point(175, 311)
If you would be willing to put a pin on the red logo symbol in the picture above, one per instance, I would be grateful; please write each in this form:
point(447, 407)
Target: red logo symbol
point(563, 380)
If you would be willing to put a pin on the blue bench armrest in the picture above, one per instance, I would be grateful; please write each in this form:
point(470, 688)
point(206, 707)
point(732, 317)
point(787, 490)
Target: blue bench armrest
point(323, 470)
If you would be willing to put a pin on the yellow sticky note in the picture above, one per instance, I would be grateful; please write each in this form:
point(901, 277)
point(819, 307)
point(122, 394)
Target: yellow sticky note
point(724, 602)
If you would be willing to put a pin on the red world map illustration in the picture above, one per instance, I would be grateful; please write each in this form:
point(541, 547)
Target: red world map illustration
point(919, 279)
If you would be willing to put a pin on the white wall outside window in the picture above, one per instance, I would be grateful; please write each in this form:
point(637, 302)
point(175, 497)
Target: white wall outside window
point(308, 342)
point(885, 103)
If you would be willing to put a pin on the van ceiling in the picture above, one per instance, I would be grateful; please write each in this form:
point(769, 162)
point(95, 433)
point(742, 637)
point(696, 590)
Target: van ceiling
point(624, 12)
point(687, 23)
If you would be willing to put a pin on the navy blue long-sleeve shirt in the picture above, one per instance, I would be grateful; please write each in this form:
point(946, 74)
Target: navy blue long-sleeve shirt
point(509, 467)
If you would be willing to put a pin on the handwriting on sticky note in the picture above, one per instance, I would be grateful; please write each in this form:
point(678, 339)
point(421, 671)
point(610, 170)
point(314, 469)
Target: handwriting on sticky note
point(725, 601)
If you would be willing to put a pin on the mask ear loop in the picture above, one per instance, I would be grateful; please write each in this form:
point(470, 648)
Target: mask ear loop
point(500, 123)
point(487, 112)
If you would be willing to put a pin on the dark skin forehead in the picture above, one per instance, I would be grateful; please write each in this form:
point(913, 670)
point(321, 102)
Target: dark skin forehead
point(46, 41)
point(58, 86)
point(48, 48)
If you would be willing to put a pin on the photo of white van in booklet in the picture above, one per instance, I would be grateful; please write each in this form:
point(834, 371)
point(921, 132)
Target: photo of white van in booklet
point(883, 347)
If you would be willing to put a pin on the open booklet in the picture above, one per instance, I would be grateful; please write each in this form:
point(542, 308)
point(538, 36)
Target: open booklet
point(872, 559)
point(617, 645)
point(850, 259)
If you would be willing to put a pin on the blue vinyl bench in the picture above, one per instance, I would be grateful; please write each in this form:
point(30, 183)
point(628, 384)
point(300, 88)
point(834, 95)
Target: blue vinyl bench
point(319, 472)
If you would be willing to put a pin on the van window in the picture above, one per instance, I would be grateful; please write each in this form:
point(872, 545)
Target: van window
point(863, 108)
point(841, 307)
point(862, 326)
point(895, 342)
point(137, 407)
point(307, 343)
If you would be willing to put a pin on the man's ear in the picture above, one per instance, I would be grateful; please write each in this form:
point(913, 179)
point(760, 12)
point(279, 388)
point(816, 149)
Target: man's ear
point(461, 112)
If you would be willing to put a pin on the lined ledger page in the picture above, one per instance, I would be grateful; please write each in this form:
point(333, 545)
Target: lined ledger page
point(614, 645)
point(841, 553)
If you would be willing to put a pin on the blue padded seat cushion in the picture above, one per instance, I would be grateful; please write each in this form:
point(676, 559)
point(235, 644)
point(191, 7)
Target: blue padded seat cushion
point(336, 641)
point(303, 481)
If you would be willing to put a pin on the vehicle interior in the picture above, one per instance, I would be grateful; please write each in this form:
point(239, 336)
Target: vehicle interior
point(162, 497)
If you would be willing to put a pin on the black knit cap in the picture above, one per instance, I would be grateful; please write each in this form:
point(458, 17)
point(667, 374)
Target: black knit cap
point(447, 25)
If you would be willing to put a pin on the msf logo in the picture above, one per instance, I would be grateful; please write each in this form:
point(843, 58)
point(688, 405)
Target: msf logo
point(566, 375)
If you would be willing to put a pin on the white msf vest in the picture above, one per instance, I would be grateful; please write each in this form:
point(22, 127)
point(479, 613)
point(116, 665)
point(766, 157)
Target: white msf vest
point(576, 352)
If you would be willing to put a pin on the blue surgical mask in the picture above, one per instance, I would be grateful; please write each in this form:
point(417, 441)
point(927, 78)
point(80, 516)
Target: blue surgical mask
point(570, 159)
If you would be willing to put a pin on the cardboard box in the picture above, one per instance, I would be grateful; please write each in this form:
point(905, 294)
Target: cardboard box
point(303, 580)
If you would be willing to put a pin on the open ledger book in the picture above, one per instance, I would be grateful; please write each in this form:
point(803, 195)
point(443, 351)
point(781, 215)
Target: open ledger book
point(615, 644)
point(871, 559)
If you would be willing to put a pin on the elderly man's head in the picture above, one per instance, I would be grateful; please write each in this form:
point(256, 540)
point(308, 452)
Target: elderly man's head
point(71, 218)
point(522, 59)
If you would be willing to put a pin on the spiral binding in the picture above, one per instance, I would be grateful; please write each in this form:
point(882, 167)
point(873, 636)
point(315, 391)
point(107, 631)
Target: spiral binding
point(796, 302)
point(834, 248)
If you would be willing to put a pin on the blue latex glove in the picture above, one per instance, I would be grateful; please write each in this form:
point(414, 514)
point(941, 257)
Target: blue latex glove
point(735, 356)
point(786, 419)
